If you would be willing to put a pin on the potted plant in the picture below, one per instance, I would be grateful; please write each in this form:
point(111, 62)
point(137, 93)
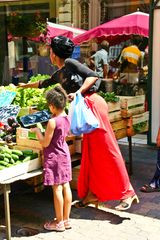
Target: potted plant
point(26, 25)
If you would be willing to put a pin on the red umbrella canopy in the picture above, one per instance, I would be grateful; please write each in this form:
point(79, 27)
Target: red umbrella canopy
point(118, 30)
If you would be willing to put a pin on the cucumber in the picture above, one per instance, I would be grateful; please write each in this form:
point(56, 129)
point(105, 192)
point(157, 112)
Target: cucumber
point(1, 156)
point(15, 157)
point(17, 152)
point(6, 160)
point(6, 150)
point(27, 152)
point(34, 155)
point(7, 155)
point(2, 167)
point(26, 159)
point(3, 163)
point(11, 161)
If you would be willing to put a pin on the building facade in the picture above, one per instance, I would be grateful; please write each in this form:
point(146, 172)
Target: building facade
point(83, 14)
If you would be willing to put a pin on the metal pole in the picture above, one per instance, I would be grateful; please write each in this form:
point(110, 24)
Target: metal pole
point(7, 190)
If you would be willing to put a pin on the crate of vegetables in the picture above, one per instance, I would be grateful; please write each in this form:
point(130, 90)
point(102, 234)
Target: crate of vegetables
point(113, 105)
point(138, 123)
point(14, 162)
point(132, 105)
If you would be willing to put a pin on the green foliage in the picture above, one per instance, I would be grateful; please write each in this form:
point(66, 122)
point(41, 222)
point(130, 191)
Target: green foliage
point(109, 96)
point(139, 127)
point(30, 97)
point(26, 25)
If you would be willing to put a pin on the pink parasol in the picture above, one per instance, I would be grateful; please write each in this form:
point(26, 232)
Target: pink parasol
point(118, 30)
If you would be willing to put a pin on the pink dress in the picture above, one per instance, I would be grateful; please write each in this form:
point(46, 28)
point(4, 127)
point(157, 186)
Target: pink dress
point(57, 160)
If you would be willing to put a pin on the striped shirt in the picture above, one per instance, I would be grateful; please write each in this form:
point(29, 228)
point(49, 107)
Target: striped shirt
point(132, 54)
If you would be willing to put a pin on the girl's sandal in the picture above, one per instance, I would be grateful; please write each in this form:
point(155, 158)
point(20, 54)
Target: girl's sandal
point(80, 204)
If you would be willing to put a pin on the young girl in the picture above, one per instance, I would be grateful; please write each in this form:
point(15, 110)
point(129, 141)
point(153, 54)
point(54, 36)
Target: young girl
point(57, 161)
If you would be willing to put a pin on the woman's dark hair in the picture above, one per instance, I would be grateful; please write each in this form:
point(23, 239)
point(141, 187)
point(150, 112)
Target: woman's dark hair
point(62, 46)
point(57, 97)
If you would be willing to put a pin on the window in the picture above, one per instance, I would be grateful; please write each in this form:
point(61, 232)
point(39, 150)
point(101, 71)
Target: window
point(84, 15)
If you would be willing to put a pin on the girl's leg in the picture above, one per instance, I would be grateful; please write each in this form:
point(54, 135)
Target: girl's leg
point(58, 202)
point(67, 201)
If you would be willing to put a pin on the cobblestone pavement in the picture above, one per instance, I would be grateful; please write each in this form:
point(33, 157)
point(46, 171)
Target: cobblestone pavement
point(141, 222)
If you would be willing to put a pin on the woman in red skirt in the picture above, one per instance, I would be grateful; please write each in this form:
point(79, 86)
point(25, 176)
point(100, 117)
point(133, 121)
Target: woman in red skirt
point(103, 174)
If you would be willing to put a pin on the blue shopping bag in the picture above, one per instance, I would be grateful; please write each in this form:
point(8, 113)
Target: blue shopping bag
point(82, 118)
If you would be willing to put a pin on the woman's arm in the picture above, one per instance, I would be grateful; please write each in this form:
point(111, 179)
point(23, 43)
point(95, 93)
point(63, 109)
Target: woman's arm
point(88, 83)
point(46, 139)
point(86, 73)
point(29, 85)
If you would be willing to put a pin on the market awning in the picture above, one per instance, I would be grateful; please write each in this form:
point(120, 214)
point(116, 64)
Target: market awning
point(118, 30)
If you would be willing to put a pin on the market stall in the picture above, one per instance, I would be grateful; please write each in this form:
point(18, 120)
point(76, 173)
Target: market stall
point(21, 153)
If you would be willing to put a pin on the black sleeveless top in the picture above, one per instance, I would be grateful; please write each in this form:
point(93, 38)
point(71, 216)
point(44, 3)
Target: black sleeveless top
point(71, 77)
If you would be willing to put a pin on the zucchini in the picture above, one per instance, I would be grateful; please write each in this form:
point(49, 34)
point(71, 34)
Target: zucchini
point(6, 150)
point(1, 156)
point(2, 167)
point(27, 152)
point(7, 155)
point(15, 157)
point(11, 161)
point(3, 163)
point(34, 155)
point(6, 160)
point(17, 152)
point(28, 158)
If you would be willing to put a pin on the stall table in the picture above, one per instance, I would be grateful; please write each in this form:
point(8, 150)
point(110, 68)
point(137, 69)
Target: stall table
point(7, 189)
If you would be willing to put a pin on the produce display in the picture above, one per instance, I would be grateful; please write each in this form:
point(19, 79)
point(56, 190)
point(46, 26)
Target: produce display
point(30, 96)
point(109, 96)
point(8, 111)
point(11, 157)
point(8, 130)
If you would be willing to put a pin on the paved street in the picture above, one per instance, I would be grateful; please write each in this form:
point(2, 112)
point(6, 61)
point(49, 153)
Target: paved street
point(141, 222)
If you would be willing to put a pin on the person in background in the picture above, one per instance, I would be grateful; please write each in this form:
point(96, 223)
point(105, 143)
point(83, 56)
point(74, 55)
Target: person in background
point(57, 161)
point(100, 60)
point(154, 184)
point(103, 175)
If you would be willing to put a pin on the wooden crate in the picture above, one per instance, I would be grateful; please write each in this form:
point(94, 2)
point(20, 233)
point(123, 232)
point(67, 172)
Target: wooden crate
point(132, 105)
point(75, 174)
point(78, 144)
point(36, 182)
point(22, 139)
point(120, 128)
point(114, 111)
point(142, 119)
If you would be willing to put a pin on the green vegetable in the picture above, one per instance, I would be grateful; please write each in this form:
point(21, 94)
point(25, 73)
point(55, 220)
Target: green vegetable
point(3, 163)
point(109, 96)
point(15, 157)
point(7, 155)
point(6, 160)
point(12, 161)
point(26, 159)
point(17, 152)
point(34, 155)
point(2, 167)
point(139, 126)
point(27, 152)
point(1, 156)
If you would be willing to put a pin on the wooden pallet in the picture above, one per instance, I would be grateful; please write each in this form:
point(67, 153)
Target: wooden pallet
point(120, 128)
point(135, 120)
point(114, 111)
point(75, 174)
point(132, 105)
point(22, 139)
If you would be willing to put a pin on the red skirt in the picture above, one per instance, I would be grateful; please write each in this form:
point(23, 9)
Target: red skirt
point(103, 169)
